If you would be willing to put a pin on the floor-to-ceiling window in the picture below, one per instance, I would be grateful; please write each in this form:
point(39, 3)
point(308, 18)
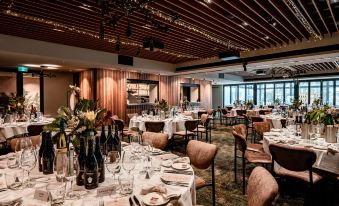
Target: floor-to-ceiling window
point(289, 92)
point(260, 94)
point(279, 92)
point(249, 92)
point(314, 91)
point(227, 95)
point(269, 94)
point(337, 92)
point(234, 94)
point(327, 92)
point(303, 92)
point(242, 92)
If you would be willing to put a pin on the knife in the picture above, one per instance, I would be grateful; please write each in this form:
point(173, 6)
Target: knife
point(130, 201)
point(136, 200)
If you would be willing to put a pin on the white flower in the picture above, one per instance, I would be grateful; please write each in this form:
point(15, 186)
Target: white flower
point(91, 115)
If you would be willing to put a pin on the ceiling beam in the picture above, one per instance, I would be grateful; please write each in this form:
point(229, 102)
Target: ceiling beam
point(321, 16)
point(332, 14)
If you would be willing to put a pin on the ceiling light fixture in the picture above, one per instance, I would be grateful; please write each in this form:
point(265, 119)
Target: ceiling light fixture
point(32, 65)
point(244, 23)
point(59, 30)
point(50, 65)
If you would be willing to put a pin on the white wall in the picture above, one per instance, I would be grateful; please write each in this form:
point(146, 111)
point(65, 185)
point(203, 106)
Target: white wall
point(55, 90)
point(217, 96)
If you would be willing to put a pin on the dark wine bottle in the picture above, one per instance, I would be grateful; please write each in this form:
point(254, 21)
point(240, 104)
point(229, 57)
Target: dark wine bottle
point(117, 142)
point(62, 143)
point(48, 155)
point(100, 160)
point(41, 150)
point(81, 163)
point(91, 180)
point(110, 139)
point(103, 140)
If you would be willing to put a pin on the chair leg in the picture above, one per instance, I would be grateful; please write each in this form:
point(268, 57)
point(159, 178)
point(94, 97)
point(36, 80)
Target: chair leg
point(243, 175)
point(213, 184)
point(235, 164)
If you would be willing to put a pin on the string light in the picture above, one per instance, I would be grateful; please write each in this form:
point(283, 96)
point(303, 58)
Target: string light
point(89, 33)
point(302, 19)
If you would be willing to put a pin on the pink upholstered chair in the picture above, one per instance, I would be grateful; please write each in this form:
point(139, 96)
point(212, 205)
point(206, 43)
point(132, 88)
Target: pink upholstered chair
point(159, 140)
point(155, 126)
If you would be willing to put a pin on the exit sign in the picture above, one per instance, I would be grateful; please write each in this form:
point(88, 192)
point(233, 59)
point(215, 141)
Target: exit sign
point(22, 69)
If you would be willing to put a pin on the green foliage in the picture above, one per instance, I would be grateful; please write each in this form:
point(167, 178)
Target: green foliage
point(323, 115)
point(296, 103)
point(163, 105)
point(277, 101)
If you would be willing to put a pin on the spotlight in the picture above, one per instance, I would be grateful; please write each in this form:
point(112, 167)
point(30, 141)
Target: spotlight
point(271, 21)
point(128, 30)
point(102, 31)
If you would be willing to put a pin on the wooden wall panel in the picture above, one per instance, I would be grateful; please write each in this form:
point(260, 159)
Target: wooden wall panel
point(111, 88)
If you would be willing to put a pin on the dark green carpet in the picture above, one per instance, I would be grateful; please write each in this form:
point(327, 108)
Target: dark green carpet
point(229, 193)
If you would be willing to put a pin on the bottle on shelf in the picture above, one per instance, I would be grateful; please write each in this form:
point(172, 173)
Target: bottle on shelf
point(48, 155)
point(103, 140)
point(41, 150)
point(91, 180)
point(100, 160)
point(81, 163)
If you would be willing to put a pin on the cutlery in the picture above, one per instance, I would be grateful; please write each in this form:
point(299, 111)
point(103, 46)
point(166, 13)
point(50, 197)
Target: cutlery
point(130, 201)
point(136, 200)
point(179, 172)
point(183, 184)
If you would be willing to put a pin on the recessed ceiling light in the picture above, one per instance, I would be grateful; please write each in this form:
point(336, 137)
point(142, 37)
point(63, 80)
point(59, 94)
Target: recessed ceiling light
point(32, 65)
point(86, 8)
point(50, 65)
point(266, 37)
point(188, 40)
point(55, 29)
point(244, 23)
point(49, 68)
point(146, 26)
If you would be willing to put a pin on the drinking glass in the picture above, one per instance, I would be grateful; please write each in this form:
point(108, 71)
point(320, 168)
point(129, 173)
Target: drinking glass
point(28, 161)
point(70, 176)
point(126, 184)
point(21, 144)
point(128, 162)
point(56, 192)
point(112, 162)
point(61, 166)
point(12, 161)
point(14, 179)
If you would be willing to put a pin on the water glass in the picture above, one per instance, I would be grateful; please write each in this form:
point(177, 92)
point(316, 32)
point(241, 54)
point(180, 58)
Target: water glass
point(126, 183)
point(28, 161)
point(128, 162)
point(156, 164)
point(12, 161)
point(14, 179)
point(56, 192)
point(112, 161)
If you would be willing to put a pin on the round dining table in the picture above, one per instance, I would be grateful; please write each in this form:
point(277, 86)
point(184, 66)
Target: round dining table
point(185, 194)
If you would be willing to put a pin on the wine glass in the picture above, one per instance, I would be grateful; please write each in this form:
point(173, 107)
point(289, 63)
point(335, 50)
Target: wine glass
point(128, 162)
point(61, 166)
point(112, 162)
point(70, 175)
point(28, 161)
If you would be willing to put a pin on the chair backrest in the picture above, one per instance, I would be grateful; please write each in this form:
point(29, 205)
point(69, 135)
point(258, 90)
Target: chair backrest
point(191, 125)
point(256, 119)
point(293, 158)
point(201, 154)
point(203, 118)
point(261, 127)
point(115, 117)
point(262, 188)
point(224, 111)
point(210, 111)
point(159, 140)
point(200, 113)
point(240, 141)
point(263, 111)
point(241, 112)
point(34, 129)
point(240, 129)
point(131, 115)
point(283, 123)
point(155, 126)
point(270, 106)
point(229, 108)
point(120, 124)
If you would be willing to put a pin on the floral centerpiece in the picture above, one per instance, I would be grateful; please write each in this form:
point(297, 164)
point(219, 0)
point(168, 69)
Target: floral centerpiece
point(249, 104)
point(322, 115)
point(86, 117)
point(16, 104)
point(316, 103)
point(296, 104)
point(163, 105)
point(277, 102)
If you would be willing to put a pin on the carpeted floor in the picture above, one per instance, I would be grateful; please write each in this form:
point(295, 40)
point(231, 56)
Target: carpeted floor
point(230, 194)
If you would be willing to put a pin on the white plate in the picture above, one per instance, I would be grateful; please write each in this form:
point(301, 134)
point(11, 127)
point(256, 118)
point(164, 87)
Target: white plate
point(154, 199)
point(7, 199)
point(167, 163)
point(181, 166)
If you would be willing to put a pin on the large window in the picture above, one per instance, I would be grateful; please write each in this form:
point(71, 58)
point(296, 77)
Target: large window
point(260, 94)
point(328, 93)
point(269, 94)
point(289, 92)
point(314, 91)
point(249, 92)
point(279, 92)
point(303, 92)
point(227, 95)
point(234, 94)
point(242, 93)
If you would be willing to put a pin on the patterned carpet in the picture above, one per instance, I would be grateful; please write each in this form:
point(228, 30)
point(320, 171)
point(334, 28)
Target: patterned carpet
point(292, 192)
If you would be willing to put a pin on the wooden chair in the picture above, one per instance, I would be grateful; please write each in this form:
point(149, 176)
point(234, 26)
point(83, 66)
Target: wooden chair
point(255, 119)
point(34, 130)
point(295, 162)
point(190, 131)
point(262, 188)
point(241, 117)
point(204, 127)
point(202, 156)
point(155, 126)
point(260, 128)
point(159, 140)
point(247, 156)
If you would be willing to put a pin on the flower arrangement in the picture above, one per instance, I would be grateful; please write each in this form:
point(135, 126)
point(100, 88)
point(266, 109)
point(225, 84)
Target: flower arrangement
point(296, 104)
point(316, 103)
point(277, 101)
point(249, 104)
point(321, 115)
point(16, 104)
point(162, 105)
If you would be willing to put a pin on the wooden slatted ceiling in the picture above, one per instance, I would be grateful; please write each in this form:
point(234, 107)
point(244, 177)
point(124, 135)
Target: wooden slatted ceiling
point(223, 19)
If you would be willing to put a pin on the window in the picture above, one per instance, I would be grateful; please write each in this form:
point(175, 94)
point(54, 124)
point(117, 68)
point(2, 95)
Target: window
point(269, 93)
point(260, 94)
point(327, 92)
point(227, 95)
point(242, 94)
point(234, 94)
point(337, 92)
point(279, 92)
point(303, 92)
point(289, 92)
point(314, 91)
point(249, 92)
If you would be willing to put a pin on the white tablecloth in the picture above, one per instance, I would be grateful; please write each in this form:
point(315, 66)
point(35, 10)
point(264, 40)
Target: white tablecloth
point(171, 124)
point(188, 194)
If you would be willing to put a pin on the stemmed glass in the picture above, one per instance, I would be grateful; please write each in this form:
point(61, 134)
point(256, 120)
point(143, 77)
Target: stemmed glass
point(70, 174)
point(28, 161)
point(61, 166)
point(128, 162)
point(112, 162)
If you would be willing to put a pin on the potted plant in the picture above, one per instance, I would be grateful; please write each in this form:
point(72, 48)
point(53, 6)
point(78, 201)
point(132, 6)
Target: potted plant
point(249, 104)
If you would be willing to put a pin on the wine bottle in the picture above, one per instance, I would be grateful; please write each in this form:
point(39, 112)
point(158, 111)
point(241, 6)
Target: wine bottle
point(91, 179)
point(81, 163)
point(61, 151)
point(100, 160)
point(110, 139)
point(103, 140)
point(48, 155)
point(117, 142)
point(62, 143)
point(41, 150)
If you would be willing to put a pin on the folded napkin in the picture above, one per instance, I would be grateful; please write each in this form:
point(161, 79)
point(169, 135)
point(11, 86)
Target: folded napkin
point(167, 156)
point(171, 177)
point(333, 149)
point(148, 188)
point(182, 160)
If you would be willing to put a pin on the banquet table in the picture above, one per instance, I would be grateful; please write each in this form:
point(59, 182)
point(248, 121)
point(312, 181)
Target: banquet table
point(187, 194)
point(274, 119)
point(10, 130)
point(326, 161)
point(171, 124)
